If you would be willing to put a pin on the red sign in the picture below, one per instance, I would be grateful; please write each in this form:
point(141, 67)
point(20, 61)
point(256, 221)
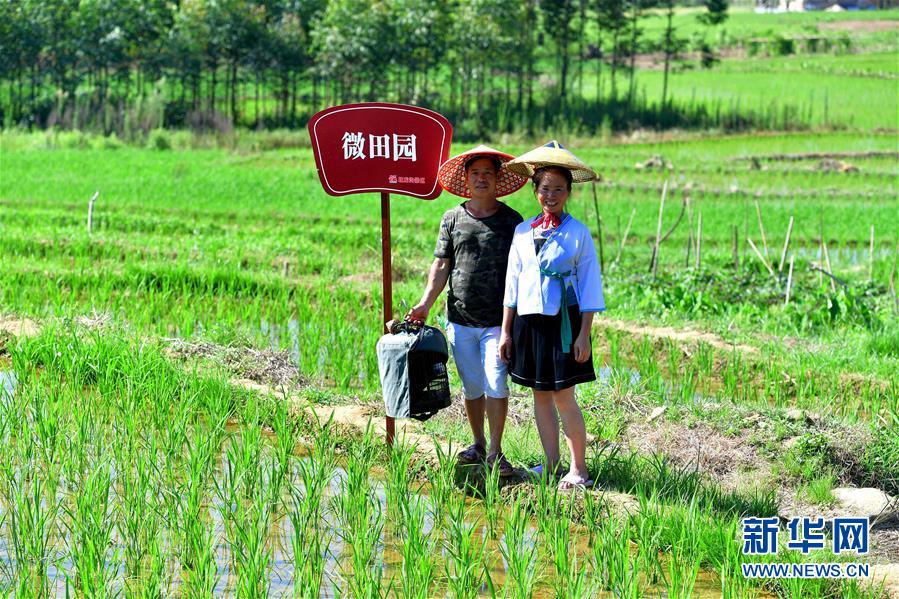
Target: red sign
point(379, 147)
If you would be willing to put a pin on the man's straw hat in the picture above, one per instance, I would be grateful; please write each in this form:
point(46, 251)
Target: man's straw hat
point(452, 173)
point(552, 154)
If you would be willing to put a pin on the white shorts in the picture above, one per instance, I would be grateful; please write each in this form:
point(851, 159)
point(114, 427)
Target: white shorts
point(476, 352)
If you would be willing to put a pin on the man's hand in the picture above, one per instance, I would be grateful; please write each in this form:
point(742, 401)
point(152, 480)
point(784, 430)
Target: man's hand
point(418, 314)
point(582, 348)
point(505, 347)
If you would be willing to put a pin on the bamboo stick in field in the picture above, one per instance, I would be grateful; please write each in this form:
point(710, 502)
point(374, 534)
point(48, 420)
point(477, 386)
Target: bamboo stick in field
point(654, 265)
point(602, 259)
point(783, 254)
point(833, 284)
point(871, 257)
point(90, 211)
point(627, 230)
point(758, 213)
point(893, 289)
point(699, 242)
point(789, 281)
point(762, 258)
point(736, 251)
point(690, 233)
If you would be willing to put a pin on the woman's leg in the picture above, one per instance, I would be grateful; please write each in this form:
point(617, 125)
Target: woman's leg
point(547, 426)
point(575, 430)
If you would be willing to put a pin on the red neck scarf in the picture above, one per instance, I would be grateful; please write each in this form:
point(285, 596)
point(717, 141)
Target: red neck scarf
point(547, 220)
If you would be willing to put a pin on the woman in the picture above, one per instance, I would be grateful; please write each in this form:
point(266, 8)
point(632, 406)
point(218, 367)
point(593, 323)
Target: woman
point(553, 287)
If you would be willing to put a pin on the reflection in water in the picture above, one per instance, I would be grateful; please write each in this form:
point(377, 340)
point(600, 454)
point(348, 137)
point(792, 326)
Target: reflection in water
point(8, 384)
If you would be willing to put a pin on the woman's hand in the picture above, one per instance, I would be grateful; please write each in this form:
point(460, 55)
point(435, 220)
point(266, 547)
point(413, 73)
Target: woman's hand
point(505, 347)
point(582, 348)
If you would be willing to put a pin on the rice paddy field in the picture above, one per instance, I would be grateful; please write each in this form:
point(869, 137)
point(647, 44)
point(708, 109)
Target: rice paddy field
point(189, 394)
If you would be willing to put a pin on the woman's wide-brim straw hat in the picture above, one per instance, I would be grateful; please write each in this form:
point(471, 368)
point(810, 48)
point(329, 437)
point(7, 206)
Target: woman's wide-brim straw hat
point(452, 173)
point(552, 154)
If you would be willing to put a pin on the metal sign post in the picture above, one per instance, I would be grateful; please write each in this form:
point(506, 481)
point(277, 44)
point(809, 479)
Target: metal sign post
point(387, 283)
point(381, 148)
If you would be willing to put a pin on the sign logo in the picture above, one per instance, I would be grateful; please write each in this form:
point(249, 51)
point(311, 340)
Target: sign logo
point(379, 147)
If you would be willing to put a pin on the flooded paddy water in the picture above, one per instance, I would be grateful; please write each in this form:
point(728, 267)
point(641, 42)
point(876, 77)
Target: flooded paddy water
point(282, 557)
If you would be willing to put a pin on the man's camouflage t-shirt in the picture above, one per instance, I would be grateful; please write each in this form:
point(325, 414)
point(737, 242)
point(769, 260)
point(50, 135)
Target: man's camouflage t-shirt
point(479, 250)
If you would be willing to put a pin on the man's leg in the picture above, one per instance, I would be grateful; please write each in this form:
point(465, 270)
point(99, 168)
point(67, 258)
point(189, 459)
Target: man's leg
point(497, 408)
point(496, 385)
point(474, 409)
point(467, 355)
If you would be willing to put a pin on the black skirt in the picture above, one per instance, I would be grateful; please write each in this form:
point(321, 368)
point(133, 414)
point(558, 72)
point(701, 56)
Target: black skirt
point(537, 358)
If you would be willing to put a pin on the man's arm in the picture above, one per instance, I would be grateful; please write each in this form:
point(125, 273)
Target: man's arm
point(437, 278)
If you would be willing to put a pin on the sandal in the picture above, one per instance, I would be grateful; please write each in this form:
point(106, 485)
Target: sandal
point(505, 468)
point(571, 482)
point(475, 454)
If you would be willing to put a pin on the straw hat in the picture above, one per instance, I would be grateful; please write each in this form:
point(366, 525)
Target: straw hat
point(452, 173)
point(552, 154)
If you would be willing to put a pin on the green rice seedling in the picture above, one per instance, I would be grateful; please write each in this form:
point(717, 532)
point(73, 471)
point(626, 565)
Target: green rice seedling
point(361, 520)
point(571, 577)
point(464, 564)
point(594, 510)
point(251, 551)
point(398, 480)
point(520, 551)
point(682, 571)
point(419, 568)
point(31, 528)
point(491, 500)
point(197, 540)
point(442, 489)
point(723, 549)
point(613, 338)
point(647, 533)
point(285, 442)
point(90, 525)
point(138, 522)
point(309, 540)
point(613, 564)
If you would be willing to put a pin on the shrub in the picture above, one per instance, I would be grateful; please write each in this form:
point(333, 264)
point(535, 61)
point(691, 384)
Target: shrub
point(159, 139)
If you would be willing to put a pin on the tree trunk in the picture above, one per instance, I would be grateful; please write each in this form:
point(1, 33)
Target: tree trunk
point(669, 50)
point(632, 85)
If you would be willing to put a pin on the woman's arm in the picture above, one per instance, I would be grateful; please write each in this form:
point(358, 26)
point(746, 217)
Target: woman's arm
point(582, 342)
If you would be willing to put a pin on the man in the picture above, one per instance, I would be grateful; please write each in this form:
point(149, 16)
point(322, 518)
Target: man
point(471, 255)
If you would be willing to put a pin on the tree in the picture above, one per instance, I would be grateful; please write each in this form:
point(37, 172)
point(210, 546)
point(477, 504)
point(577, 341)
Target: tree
point(610, 14)
point(558, 22)
point(671, 46)
point(716, 14)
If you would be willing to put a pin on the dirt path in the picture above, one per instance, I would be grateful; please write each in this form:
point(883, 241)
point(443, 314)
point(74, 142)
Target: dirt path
point(20, 327)
point(681, 335)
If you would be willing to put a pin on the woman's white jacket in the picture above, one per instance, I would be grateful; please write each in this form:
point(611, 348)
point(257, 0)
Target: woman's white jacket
point(568, 249)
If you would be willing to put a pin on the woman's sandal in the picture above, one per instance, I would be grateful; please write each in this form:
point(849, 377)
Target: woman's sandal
point(570, 482)
point(475, 454)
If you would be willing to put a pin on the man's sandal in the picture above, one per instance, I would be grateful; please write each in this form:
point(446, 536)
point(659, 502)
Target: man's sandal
point(475, 454)
point(505, 468)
